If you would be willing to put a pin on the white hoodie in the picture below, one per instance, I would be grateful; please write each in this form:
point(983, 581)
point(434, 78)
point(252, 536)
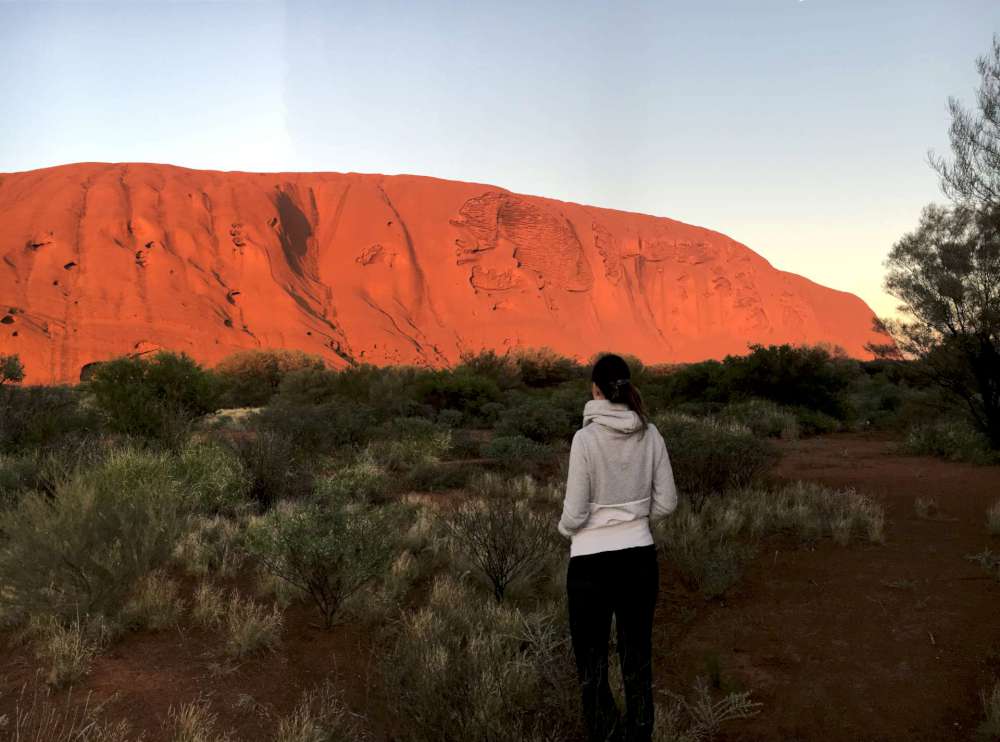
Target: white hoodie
point(619, 478)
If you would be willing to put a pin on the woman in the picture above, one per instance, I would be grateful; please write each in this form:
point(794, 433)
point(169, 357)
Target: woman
point(619, 480)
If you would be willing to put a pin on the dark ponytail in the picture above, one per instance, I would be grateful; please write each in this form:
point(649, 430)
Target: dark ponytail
point(613, 378)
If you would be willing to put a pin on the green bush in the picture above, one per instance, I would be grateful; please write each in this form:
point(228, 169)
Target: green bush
point(275, 467)
point(809, 377)
point(516, 453)
point(317, 428)
point(763, 417)
point(406, 453)
point(462, 668)
point(249, 378)
point(83, 550)
point(154, 398)
point(11, 369)
point(954, 440)
point(212, 478)
point(543, 367)
point(39, 416)
point(458, 390)
point(814, 422)
point(439, 477)
point(498, 532)
point(502, 369)
point(709, 457)
point(328, 549)
point(362, 481)
point(538, 420)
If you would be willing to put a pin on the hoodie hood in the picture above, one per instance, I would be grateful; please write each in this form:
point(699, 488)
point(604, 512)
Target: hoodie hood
point(615, 416)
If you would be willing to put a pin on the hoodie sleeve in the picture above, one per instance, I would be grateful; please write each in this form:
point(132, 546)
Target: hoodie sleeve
point(576, 504)
point(664, 500)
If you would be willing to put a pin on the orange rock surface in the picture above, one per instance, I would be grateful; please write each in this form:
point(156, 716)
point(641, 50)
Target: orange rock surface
point(101, 260)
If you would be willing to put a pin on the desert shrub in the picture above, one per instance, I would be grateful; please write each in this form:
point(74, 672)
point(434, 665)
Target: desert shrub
point(155, 604)
point(39, 416)
point(209, 605)
point(710, 546)
point(275, 467)
point(39, 717)
point(11, 369)
point(84, 549)
point(406, 453)
point(710, 457)
point(543, 367)
point(460, 668)
point(362, 480)
point(320, 716)
point(438, 477)
point(18, 475)
point(502, 369)
point(250, 627)
point(810, 377)
point(211, 545)
point(538, 420)
point(699, 716)
point(993, 519)
point(465, 444)
point(329, 549)
point(154, 398)
point(763, 417)
point(989, 728)
point(67, 651)
point(988, 561)
point(450, 419)
point(499, 534)
point(705, 552)
point(193, 722)
point(317, 428)
point(516, 453)
point(457, 390)
point(213, 479)
point(249, 378)
point(814, 422)
point(954, 440)
point(925, 507)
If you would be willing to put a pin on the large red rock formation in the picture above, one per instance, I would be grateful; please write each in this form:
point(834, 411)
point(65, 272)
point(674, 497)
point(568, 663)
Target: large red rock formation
point(101, 260)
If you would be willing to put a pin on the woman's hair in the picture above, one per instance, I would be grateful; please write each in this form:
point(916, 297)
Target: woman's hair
point(613, 378)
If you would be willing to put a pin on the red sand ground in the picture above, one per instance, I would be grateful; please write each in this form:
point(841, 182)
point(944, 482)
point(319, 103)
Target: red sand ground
point(873, 643)
point(100, 260)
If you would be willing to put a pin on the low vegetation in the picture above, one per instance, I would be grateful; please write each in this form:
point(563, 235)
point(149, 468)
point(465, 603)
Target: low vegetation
point(416, 505)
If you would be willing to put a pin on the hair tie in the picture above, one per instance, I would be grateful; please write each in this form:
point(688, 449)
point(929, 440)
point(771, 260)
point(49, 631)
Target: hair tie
point(619, 383)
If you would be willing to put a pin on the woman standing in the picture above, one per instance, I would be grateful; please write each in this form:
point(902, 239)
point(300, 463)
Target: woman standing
point(619, 480)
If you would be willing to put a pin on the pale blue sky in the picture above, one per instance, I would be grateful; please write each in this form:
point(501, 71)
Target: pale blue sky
point(797, 127)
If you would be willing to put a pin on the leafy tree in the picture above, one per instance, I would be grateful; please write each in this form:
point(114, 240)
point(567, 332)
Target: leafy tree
point(946, 273)
point(156, 398)
point(972, 176)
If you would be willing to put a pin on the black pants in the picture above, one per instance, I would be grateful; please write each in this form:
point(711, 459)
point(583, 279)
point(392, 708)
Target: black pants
point(624, 584)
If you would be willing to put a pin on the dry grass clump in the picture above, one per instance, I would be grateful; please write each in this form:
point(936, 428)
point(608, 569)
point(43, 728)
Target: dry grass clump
point(990, 727)
point(321, 716)
point(926, 507)
point(38, 717)
point(209, 606)
point(466, 667)
point(211, 545)
point(250, 627)
point(67, 651)
point(993, 519)
point(194, 722)
point(710, 547)
point(699, 716)
point(987, 560)
point(156, 604)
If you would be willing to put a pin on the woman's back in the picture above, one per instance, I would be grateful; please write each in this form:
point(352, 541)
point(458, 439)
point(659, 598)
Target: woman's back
point(619, 477)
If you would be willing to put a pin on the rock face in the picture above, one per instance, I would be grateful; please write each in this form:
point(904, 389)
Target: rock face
point(102, 260)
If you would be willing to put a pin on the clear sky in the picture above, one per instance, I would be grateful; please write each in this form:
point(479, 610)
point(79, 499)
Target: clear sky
point(799, 127)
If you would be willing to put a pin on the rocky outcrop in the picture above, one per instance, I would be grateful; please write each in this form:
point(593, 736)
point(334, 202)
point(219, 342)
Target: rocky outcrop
point(101, 260)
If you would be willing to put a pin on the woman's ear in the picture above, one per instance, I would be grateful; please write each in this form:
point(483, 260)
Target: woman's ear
point(595, 391)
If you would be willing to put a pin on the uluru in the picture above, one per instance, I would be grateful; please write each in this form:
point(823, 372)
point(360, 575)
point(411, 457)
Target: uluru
point(103, 260)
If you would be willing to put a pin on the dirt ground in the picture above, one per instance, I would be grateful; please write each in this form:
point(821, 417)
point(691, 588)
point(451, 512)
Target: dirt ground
point(881, 642)
point(887, 642)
